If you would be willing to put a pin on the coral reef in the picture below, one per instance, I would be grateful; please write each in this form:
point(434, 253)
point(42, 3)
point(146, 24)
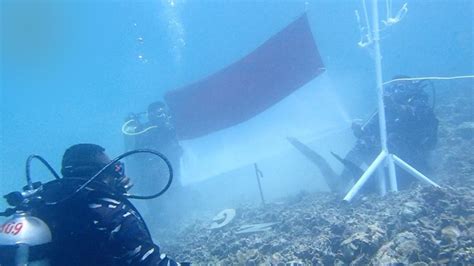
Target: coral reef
point(422, 225)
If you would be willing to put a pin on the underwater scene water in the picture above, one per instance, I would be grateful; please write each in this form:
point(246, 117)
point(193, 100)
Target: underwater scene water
point(269, 114)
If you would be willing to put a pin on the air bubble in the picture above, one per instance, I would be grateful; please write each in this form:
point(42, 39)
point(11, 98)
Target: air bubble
point(142, 58)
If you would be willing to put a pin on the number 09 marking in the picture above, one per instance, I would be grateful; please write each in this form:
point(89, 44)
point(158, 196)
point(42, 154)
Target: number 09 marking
point(11, 228)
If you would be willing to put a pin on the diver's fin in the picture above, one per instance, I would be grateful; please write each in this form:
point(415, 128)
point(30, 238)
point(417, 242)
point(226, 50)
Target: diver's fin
point(329, 175)
point(352, 167)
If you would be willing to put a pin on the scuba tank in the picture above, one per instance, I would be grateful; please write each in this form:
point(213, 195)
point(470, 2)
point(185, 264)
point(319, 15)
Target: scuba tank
point(24, 240)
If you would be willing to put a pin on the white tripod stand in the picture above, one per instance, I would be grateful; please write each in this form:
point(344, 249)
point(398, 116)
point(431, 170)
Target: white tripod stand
point(385, 158)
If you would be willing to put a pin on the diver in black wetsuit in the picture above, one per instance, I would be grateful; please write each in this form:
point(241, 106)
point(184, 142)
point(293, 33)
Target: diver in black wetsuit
point(161, 136)
point(97, 226)
point(157, 133)
point(412, 129)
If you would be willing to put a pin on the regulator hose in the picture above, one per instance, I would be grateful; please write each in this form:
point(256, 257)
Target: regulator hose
point(111, 163)
point(168, 165)
point(28, 171)
point(128, 133)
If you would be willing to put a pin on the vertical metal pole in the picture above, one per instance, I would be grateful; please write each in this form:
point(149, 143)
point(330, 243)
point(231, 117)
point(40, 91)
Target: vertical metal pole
point(379, 82)
point(378, 76)
point(382, 180)
point(392, 174)
point(259, 174)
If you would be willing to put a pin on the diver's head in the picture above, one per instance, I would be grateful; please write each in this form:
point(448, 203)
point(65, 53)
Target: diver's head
point(157, 112)
point(85, 160)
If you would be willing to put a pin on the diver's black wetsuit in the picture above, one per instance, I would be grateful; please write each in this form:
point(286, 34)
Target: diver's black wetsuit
point(161, 137)
point(96, 227)
point(412, 129)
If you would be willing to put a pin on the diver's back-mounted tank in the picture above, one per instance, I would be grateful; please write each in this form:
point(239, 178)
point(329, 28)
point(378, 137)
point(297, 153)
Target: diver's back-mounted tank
point(24, 240)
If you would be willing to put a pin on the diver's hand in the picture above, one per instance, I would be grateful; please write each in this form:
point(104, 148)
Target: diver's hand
point(356, 127)
point(124, 184)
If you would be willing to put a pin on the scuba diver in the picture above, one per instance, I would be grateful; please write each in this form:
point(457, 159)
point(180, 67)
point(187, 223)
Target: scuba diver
point(157, 132)
point(90, 219)
point(412, 129)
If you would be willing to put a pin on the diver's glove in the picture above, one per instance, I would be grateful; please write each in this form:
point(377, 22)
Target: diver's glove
point(123, 184)
point(356, 127)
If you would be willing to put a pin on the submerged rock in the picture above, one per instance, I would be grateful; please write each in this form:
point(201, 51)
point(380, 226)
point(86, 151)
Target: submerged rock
point(451, 233)
point(399, 250)
point(466, 130)
point(411, 210)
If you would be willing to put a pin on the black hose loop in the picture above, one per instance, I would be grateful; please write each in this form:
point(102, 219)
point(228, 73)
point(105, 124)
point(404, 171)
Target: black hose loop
point(94, 177)
point(28, 171)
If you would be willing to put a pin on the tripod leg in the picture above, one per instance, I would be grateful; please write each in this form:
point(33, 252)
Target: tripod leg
point(392, 174)
point(413, 171)
point(382, 181)
point(370, 170)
